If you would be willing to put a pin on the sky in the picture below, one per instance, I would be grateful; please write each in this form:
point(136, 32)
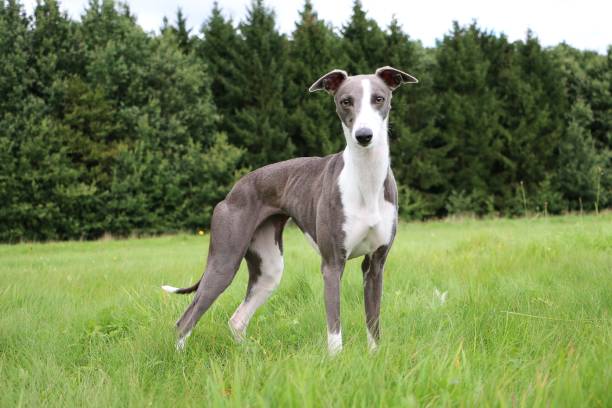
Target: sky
point(585, 24)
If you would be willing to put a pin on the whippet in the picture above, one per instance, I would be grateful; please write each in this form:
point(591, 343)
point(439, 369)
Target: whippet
point(345, 204)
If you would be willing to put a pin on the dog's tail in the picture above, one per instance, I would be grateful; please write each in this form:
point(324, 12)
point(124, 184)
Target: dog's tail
point(181, 291)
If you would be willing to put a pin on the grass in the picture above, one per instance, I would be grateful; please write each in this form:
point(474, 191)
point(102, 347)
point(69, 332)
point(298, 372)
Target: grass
point(526, 323)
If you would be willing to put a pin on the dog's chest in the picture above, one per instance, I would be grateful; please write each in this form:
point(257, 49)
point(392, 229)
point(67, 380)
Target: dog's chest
point(366, 231)
point(368, 217)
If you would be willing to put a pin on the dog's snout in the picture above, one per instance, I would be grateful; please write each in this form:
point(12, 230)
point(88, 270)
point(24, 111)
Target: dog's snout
point(363, 136)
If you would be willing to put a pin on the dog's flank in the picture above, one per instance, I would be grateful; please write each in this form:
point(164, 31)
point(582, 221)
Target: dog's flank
point(345, 204)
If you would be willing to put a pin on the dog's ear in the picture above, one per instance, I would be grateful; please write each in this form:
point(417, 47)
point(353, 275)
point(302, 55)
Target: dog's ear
point(394, 77)
point(329, 82)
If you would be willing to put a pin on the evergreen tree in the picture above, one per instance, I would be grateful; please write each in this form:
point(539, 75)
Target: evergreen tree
point(577, 174)
point(258, 121)
point(363, 42)
point(314, 50)
point(586, 77)
point(415, 156)
point(107, 128)
point(468, 116)
point(16, 75)
point(56, 51)
point(220, 51)
point(180, 31)
point(539, 110)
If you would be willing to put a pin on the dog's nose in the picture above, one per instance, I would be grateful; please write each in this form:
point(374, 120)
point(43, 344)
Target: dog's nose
point(363, 136)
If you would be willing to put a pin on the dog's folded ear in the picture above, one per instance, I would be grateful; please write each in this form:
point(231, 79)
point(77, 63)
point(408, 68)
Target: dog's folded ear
point(394, 77)
point(329, 82)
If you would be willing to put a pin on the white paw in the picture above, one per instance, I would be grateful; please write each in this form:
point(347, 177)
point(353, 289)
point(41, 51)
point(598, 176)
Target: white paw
point(334, 343)
point(372, 346)
point(181, 342)
point(238, 331)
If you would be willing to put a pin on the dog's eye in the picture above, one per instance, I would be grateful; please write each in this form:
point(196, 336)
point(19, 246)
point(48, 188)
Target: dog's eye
point(346, 102)
point(379, 99)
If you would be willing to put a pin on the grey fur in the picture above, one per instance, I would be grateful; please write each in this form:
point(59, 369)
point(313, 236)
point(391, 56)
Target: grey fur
point(307, 191)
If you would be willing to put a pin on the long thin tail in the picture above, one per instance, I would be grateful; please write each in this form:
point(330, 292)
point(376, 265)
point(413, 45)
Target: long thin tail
point(181, 291)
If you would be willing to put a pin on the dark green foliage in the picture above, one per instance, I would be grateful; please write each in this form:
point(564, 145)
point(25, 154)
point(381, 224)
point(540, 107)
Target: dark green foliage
point(107, 128)
point(314, 50)
point(363, 42)
point(250, 77)
point(220, 50)
point(417, 154)
point(468, 117)
point(259, 118)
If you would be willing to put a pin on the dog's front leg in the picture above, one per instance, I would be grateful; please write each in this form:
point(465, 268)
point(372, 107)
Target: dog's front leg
point(372, 267)
point(332, 273)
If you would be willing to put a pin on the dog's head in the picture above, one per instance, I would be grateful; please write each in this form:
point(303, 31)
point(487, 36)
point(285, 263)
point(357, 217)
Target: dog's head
point(363, 102)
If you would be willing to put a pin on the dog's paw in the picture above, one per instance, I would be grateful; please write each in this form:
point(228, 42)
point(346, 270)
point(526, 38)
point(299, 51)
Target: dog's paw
point(372, 345)
point(182, 342)
point(238, 332)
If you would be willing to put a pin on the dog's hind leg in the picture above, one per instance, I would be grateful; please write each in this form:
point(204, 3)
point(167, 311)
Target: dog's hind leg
point(231, 232)
point(265, 261)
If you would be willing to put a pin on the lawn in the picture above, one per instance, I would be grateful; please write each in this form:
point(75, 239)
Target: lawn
point(526, 322)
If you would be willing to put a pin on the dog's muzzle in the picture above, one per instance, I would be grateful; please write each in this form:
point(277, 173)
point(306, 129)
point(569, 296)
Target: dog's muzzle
point(363, 136)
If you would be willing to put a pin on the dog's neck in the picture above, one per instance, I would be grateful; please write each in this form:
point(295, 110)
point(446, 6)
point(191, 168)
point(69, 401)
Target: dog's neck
point(369, 168)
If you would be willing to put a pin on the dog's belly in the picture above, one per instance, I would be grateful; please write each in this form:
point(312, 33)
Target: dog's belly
point(366, 231)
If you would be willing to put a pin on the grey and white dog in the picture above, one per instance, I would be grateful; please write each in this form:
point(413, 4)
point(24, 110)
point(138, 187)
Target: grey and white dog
point(345, 203)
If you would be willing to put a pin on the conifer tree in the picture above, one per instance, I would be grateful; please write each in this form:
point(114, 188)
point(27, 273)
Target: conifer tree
point(56, 51)
point(258, 123)
point(314, 50)
point(219, 49)
point(468, 116)
point(180, 31)
point(363, 42)
point(411, 131)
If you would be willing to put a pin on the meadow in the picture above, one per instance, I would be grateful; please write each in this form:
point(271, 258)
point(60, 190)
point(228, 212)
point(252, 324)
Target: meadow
point(525, 322)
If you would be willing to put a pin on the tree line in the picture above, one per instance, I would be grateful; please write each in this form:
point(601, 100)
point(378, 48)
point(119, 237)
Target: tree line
point(106, 128)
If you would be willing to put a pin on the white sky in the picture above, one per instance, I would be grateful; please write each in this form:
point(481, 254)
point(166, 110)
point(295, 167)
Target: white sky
point(585, 24)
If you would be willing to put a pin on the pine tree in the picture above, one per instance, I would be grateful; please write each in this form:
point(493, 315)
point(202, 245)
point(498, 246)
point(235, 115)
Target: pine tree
point(468, 116)
point(411, 132)
point(220, 51)
point(314, 50)
point(258, 123)
point(16, 75)
point(56, 51)
point(180, 31)
point(586, 77)
point(363, 42)
point(577, 174)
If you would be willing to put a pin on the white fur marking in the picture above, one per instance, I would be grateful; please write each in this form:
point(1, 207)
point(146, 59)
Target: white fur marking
point(264, 245)
point(367, 117)
point(334, 343)
point(180, 344)
point(369, 218)
point(237, 328)
point(372, 346)
point(169, 289)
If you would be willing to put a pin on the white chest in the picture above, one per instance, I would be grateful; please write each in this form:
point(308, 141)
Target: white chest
point(368, 218)
point(366, 231)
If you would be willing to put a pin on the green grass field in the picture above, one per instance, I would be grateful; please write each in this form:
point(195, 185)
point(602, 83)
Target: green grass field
point(526, 323)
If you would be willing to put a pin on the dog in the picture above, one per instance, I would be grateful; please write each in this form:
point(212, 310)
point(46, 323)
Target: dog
point(344, 203)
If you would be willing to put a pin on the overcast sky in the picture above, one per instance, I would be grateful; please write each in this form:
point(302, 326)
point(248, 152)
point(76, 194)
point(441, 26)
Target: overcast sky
point(585, 24)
